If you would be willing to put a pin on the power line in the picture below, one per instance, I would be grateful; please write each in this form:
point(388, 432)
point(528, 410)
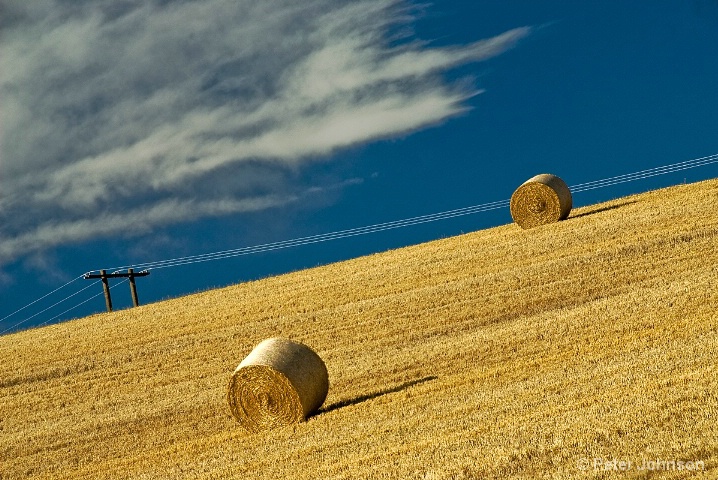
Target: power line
point(41, 298)
point(352, 232)
point(79, 304)
point(268, 247)
point(48, 308)
point(642, 174)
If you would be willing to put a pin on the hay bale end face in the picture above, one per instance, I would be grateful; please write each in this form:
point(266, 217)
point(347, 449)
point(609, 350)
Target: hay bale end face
point(541, 200)
point(279, 383)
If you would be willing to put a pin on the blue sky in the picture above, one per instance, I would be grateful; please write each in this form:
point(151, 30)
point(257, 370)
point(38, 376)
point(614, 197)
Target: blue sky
point(140, 131)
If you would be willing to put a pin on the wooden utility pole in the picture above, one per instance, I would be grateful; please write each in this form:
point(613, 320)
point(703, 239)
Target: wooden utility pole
point(133, 288)
point(106, 288)
point(103, 275)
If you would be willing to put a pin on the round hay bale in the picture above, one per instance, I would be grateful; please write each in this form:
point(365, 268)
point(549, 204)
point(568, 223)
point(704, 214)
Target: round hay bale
point(541, 200)
point(279, 383)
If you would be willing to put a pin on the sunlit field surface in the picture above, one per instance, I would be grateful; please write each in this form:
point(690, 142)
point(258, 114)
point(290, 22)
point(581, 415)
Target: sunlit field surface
point(582, 349)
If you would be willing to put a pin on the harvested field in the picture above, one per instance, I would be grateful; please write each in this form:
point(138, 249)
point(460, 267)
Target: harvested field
point(503, 353)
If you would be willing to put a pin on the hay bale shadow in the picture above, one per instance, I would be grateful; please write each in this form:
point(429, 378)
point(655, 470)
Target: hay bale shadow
point(371, 396)
point(603, 209)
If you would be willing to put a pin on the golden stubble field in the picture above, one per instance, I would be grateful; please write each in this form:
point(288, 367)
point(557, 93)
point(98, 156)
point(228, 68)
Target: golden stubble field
point(557, 352)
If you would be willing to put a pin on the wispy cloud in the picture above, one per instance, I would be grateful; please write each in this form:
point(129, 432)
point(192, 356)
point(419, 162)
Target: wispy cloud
point(146, 113)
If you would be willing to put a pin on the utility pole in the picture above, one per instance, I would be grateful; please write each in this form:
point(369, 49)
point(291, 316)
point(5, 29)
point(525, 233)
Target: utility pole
point(131, 275)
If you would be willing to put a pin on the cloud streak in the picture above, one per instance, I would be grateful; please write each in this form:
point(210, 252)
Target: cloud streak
point(144, 114)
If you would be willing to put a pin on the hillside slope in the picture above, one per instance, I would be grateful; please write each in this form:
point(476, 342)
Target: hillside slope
point(501, 353)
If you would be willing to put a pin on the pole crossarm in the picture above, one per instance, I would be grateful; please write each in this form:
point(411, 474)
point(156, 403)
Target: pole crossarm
point(130, 274)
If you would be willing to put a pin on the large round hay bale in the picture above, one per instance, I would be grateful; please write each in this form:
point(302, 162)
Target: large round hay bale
point(541, 200)
point(279, 383)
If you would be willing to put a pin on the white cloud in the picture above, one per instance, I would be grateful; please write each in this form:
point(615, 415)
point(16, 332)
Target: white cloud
point(150, 113)
point(143, 219)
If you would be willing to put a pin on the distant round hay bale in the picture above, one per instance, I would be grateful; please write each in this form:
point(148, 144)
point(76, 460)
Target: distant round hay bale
point(541, 200)
point(279, 383)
